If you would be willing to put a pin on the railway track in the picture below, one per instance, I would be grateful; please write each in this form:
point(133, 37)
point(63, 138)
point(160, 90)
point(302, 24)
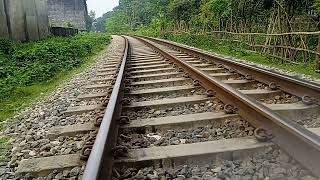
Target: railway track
point(167, 111)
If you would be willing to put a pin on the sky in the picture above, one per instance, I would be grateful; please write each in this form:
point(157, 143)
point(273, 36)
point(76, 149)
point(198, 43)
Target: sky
point(101, 6)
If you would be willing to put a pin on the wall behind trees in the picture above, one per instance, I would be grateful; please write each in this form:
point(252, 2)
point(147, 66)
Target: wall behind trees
point(68, 13)
point(25, 20)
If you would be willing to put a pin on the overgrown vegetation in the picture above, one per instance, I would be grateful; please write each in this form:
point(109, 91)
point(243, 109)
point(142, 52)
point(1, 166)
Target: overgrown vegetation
point(272, 16)
point(29, 69)
point(234, 50)
point(229, 20)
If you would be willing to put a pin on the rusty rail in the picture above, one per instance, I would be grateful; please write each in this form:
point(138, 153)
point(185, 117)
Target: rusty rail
point(300, 143)
point(97, 165)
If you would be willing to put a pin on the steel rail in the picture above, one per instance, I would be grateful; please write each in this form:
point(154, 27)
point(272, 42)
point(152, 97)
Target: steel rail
point(96, 166)
point(300, 143)
point(287, 83)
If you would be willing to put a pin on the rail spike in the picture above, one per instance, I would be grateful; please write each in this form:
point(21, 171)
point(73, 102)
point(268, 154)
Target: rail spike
point(119, 151)
point(229, 109)
point(262, 135)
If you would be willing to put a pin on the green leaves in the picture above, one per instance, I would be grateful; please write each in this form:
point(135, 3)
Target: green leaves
point(117, 22)
point(5, 46)
point(316, 6)
point(37, 62)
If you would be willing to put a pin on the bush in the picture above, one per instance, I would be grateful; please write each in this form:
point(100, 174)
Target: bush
point(5, 46)
point(29, 63)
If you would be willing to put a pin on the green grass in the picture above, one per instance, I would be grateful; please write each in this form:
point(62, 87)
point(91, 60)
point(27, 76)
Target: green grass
point(26, 95)
point(23, 95)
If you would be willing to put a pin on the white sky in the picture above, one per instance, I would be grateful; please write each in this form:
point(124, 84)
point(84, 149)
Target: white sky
point(101, 6)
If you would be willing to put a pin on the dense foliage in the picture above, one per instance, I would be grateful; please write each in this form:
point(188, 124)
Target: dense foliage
point(231, 15)
point(217, 18)
point(29, 63)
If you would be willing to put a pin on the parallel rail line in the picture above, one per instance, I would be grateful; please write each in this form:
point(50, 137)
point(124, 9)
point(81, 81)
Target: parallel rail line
point(163, 90)
point(295, 139)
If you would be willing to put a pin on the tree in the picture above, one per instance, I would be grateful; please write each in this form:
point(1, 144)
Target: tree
point(213, 11)
point(117, 22)
point(182, 10)
point(100, 22)
point(90, 19)
point(230, 15)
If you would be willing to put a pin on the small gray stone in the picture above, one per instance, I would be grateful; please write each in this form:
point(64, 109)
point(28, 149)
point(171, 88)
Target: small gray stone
point(181, 177)
point(46, 147)
point(217, 169)
point(68, 151)
point(308, 177)
point(195, 171)
point(75, 171)
point(13, 163)
point(15, 150)
point(175, 142)
point(65, 173)
point(59, 176)
point(32, 153)
point(29, 138)
point(279, 170)
point(34, 144)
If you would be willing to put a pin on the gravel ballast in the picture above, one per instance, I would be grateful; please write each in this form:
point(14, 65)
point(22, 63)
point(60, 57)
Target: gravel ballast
point(29, 127)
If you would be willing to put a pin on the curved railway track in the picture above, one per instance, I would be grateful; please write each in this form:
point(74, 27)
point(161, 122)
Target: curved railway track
point(171, 111)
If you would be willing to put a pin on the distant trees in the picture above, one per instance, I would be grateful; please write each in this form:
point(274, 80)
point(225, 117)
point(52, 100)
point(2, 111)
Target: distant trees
point(117, 22)
point(225, 15)
point(100, 22)
point(90, 19)
point(257, 25)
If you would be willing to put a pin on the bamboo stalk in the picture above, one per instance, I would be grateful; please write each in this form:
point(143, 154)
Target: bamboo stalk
point(318, 57)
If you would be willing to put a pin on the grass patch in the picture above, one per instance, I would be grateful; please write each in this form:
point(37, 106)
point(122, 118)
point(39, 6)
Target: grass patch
point(25, 95)
point(29, 70)
point(20, 94)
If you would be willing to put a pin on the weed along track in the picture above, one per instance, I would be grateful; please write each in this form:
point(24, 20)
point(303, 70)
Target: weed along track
point(156, 110)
